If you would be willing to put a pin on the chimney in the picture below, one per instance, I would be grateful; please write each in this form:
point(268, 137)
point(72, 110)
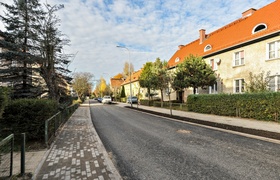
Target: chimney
point(180, 47)
point(249, 12)
point(202, 36)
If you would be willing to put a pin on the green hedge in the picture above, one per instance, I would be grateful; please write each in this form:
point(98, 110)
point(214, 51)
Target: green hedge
point(4, 98)
point(261, 106)
point(27, 116)
point(146, 102)
point(174, 105)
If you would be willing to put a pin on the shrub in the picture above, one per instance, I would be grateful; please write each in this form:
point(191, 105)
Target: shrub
point(262, 106)
point(4, 98)
point(28, 115)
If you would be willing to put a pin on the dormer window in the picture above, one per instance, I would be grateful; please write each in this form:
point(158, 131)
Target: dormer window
point(259, 28)
point(207, 48)
point(177, 59)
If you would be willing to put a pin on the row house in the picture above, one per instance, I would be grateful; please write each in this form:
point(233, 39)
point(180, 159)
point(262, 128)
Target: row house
point(249, 44)
point(136, 89)
point(116, 84)
point(133, 83)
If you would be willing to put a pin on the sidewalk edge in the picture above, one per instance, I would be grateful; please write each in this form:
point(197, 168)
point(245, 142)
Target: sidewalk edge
point(108, 161)
point(252, 131)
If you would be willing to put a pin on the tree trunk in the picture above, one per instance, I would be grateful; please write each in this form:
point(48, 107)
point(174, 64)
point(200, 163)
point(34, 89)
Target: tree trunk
point(194, 90)
point(170, 105)
point(161, 92)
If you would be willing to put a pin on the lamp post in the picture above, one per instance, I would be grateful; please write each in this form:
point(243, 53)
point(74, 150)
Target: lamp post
point(129, 69)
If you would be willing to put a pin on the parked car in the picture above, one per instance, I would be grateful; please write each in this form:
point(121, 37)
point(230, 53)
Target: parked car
point(107, 99)
point(99, 99)
point(133, 100)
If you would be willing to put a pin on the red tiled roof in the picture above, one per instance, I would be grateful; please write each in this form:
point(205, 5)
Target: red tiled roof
point(117, 81)
point(118, 76)
point(235, 33)
point(134, 77)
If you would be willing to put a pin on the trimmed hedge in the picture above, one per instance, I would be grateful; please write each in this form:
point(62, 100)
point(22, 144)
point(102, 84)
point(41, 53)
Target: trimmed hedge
point(261, 106)
point(146, 102)
point(174, 105)
point(28, 116)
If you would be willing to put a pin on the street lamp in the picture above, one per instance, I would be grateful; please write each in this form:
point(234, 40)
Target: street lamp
point(129, 69)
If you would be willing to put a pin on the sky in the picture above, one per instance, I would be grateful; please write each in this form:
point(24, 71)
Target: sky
point(147, 29)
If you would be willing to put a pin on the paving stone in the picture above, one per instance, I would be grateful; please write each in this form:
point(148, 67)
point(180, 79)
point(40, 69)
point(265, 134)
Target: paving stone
point(75, 153)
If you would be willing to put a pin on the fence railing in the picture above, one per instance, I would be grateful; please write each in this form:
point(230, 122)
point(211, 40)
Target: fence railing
point(6, 157)
point(56, 121)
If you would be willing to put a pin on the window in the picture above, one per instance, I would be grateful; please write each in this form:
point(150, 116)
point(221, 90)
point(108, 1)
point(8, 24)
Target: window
point(239, 86)
point(274, 83)
point(177, 59)
point(167, 91)
point(207, 48)
point(213, 64)
point(213, 89)
point(258, 28)
point(238, 58)
point(273, 50)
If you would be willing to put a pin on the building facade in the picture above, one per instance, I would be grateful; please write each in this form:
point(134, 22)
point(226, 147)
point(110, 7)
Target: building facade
point(249, 44)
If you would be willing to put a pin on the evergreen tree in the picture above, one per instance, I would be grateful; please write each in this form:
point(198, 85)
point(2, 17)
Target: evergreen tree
point(122, 92)
point(20, 52)
point(32, 50)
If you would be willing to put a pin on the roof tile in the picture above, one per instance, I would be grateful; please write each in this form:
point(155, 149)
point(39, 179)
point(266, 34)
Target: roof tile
point(234, 33)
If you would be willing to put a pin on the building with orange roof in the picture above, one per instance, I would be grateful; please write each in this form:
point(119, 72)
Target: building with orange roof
point(135, 86)
point(116, 84)
point(249, 44)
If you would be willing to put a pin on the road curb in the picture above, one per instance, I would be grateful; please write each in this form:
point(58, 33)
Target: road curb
point(257, 132)
point(108, 161)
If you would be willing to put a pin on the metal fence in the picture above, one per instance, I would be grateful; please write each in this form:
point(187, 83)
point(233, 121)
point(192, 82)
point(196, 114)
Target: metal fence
point(53, 124)
point(6, 157)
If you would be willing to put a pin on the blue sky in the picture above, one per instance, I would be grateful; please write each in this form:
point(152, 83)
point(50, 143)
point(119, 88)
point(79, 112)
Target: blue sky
point(148, 28)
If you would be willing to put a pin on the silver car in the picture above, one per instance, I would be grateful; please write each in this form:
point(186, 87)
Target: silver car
point(107, 100)
point(132, 100)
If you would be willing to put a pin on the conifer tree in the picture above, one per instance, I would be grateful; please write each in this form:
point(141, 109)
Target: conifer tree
point(123, 92)
point(33, 62)
point(20, 54)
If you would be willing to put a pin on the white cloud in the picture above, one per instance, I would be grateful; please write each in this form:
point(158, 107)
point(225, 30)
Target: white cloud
point(150, 29)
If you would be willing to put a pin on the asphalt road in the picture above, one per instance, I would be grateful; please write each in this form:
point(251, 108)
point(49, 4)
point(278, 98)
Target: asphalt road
point(149, 147)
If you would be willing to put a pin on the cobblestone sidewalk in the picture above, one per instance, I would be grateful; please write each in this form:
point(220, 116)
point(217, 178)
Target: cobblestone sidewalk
point(78, 153)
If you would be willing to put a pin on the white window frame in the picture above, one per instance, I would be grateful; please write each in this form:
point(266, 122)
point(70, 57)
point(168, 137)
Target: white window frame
point(261, 24)
point(240, 59)
point(276, 81)
point(241, 86)
point(207, 48)
point(213, 89)
point(275, 50)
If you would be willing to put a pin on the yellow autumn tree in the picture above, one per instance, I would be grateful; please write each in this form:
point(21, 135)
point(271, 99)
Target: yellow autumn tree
point(102, 85)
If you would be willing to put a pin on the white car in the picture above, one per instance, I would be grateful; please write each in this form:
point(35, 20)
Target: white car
point(107, 99)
